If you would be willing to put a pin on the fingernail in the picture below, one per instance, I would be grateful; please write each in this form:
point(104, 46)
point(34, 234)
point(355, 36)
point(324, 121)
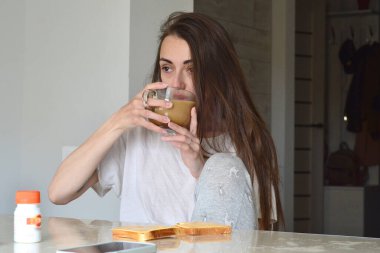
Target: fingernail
point(167, 119)
point(168, 104)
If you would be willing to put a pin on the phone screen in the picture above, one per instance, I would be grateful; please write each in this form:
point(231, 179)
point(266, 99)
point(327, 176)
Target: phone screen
point(113, 247)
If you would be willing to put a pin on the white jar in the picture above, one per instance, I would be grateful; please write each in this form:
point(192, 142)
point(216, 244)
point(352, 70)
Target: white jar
point(27, 217)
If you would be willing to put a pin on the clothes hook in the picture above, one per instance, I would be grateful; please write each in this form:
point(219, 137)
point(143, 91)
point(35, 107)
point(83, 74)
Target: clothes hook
point(332, 41)
point(370, 40)
point(352, 32)
point(370, 31)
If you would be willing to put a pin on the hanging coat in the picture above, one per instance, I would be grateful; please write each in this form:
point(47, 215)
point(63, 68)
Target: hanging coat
point(352, 109)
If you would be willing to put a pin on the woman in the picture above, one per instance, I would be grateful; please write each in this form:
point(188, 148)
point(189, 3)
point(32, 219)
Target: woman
point(226, 159)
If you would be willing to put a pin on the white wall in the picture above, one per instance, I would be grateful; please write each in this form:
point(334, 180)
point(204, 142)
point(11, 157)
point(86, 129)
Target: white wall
point(282, 127)
point(64, 68)
point(11, 76)
point(146, 18)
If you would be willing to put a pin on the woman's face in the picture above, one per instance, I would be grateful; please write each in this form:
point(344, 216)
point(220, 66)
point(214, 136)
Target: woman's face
point(176, 65)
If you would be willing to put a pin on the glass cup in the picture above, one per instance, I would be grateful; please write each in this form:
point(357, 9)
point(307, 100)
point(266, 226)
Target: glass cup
point(179, 113)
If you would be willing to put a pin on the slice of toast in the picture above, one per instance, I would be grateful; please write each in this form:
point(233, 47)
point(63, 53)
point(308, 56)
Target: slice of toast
point(201, 228)
point(143, 233)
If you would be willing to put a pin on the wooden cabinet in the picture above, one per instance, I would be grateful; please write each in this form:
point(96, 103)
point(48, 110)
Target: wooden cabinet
point(352, 211)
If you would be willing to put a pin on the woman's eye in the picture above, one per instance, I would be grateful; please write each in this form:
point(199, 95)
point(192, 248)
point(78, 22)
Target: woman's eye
point(166, 69)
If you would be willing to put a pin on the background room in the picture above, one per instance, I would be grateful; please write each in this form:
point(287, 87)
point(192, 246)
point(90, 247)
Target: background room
point(66, 66)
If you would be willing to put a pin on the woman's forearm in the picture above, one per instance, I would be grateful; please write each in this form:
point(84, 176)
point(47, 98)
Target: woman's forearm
point(77, 172)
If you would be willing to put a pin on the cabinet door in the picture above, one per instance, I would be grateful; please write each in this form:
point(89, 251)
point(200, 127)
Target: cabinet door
point(344, 211)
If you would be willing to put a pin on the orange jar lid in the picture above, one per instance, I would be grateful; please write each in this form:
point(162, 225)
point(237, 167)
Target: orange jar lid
point(28, 197)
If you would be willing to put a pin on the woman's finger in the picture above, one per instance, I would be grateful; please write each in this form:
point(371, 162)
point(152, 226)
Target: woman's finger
point(144, 122)
point(182, 137)
point(185, 146)
point(146, 99)
point(178, 129)
point(193, 122)
point(148, 114)
point(152, 102)
point(152, 86)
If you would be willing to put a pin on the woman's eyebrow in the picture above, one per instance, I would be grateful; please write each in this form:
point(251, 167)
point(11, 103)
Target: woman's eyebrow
point(166, 60)
point(169, 61)
point(188, 61)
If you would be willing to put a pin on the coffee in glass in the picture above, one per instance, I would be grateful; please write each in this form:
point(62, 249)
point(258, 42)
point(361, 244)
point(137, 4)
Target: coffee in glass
point(180, 112)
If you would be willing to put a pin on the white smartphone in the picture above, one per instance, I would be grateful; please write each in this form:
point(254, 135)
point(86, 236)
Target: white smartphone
point(112, 247)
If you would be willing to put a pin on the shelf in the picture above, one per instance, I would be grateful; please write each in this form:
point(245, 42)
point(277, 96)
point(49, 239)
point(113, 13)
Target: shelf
point(352, 13)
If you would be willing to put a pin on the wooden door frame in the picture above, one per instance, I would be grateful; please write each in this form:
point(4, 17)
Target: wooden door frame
point(318, 114)
point(282, 104)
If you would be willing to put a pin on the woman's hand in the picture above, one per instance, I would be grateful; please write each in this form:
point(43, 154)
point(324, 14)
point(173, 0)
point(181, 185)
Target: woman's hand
point(188, 143)
point(135, 114)
point(77, 172)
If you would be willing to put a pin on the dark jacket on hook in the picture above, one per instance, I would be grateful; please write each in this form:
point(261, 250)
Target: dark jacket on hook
point(354, 65)
point(363, 98)
point(371, 92)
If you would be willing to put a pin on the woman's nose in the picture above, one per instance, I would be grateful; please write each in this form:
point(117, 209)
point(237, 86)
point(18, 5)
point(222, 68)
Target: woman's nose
point(178, 81)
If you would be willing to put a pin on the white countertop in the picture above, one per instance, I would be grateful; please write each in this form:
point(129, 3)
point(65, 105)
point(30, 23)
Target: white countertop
point(60, 233)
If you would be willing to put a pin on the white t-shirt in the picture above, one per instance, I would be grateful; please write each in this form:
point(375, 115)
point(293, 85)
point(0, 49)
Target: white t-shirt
point(148, 175)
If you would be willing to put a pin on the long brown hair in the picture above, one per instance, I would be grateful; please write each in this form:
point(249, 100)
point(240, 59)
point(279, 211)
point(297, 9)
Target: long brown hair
point(224, 104)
